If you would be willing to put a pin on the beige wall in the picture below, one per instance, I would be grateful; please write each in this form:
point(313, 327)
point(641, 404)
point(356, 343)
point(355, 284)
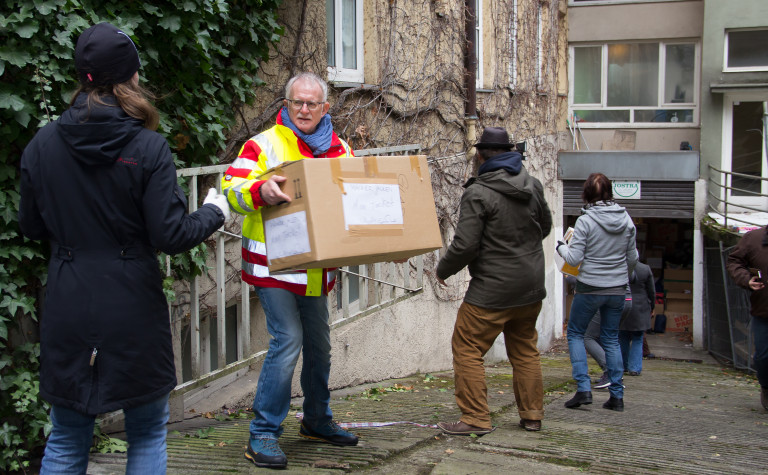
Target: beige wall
point(653, 20)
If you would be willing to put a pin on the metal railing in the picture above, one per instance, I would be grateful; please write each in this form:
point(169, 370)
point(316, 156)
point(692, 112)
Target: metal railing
point(727, 310)
point(380, 285)
point(722, 180)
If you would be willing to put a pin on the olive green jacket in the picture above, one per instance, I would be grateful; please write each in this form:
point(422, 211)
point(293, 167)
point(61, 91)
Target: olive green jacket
point(503, 219)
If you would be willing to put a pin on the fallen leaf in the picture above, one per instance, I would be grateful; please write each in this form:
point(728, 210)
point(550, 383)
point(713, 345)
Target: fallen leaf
point(713, 437)
point(501, 392)
point(448, 451)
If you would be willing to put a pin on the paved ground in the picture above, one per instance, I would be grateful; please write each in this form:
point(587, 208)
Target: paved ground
point(685, 414)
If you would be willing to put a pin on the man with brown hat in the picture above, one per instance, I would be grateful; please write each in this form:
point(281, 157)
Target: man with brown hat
point(503, 219)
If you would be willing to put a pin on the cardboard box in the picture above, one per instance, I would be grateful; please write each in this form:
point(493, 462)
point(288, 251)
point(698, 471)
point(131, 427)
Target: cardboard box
point(679, 321)
point(677, 302)
point(351, 211)
point(678, 280)
point(560, 263)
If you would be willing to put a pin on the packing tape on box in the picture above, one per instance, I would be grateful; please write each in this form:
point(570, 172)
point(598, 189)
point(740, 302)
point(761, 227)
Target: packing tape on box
point(376, 230)
point(416, 166)
point(370, 171)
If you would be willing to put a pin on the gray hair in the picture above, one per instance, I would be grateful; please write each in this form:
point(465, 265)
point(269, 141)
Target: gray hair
point(307, 76)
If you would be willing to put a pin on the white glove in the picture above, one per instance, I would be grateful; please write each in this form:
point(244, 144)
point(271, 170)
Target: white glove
point(218, 200)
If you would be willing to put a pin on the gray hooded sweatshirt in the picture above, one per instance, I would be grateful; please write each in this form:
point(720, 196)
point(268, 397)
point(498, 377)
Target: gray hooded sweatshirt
point(603, 243)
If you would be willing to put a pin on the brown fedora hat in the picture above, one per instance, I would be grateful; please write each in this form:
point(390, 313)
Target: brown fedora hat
point(494, 137)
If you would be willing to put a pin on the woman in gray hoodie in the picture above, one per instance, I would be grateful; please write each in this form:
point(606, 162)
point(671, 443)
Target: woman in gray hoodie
point(603, 246)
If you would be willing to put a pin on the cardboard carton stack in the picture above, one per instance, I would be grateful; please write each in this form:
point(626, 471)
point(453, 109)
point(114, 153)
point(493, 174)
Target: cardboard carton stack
point(678, 287)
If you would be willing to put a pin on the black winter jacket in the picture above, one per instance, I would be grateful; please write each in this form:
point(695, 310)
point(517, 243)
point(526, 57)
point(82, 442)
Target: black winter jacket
point(102, 190)
point(643, 299)
point(503, 219)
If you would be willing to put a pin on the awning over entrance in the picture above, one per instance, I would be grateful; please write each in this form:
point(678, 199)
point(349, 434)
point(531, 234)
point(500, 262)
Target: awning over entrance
point(667, 180)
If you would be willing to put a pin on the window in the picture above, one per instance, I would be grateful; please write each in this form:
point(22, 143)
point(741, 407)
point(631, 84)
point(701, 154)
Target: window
point(479, 42)
point(539, 45)
point(513, 47)
point(344, 21)
point(634, 83)
point(746, 50)
point(743, 148)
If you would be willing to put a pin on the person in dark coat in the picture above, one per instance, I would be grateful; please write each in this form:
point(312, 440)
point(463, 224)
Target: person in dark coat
point(503, 219)
point(100, 186)
point(633, 327)
point(748, 267)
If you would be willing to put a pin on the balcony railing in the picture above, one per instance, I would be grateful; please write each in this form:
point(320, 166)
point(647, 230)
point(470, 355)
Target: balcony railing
point(721, 194)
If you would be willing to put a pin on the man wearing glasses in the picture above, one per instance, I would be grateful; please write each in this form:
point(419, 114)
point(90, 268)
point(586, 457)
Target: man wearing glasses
point(295, 304)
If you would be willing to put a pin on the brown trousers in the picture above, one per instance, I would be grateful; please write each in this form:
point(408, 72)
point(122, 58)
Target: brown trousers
point(475, 331)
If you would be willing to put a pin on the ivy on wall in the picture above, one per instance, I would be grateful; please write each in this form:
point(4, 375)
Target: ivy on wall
point(201, 59)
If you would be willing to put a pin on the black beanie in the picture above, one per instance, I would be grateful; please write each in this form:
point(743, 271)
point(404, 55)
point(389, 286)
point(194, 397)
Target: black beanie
point(105, 55)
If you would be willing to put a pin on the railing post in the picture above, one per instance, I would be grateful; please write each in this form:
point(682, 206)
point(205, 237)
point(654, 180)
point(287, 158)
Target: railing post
point(194, 299)
point(244, 321)
point(221, 297)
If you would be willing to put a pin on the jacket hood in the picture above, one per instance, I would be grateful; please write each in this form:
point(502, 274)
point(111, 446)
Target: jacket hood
point(97, 136)
point(611, 217)
point(506, 176)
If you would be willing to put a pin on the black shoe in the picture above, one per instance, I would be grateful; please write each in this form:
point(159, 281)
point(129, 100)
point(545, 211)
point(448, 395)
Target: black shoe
point(764, 397)
point(265, 453)
point(331, 433)
point(581, 397)
point(614, 404)
point(634, 373)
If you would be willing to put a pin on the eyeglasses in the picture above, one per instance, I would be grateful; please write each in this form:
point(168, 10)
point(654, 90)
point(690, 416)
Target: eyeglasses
point(297, 105)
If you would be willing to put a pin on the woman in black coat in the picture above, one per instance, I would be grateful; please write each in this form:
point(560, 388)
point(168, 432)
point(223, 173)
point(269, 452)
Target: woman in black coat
point(100, 185)
point(633, 327)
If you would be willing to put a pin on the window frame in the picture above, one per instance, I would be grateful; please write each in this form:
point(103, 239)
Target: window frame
point(341, 74)
point(727, 69)
point(661, 104)
point(479, 57)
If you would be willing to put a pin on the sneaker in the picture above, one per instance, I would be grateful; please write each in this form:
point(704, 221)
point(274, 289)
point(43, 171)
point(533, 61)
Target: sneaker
point(634, 373)
point(265, 453)
point(462, 428)
point(330, 432)
point(603, 382)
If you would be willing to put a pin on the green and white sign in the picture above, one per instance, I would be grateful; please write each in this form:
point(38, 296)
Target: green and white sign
point(626, 190)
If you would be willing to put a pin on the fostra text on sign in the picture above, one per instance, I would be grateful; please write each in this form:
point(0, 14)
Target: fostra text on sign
point(626, 190)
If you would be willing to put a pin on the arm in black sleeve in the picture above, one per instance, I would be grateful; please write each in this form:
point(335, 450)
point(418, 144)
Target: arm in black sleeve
point(30, 219)
point(169, 227)
point(650, 288)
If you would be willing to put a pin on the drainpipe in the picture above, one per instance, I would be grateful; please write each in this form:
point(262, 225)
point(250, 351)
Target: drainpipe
point(470, 75)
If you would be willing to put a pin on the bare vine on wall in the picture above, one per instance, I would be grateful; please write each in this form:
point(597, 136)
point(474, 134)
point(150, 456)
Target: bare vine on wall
point(414, 91)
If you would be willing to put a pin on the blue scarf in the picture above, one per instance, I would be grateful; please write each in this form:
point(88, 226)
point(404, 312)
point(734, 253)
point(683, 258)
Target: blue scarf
point(320, 141)
point(509, 161)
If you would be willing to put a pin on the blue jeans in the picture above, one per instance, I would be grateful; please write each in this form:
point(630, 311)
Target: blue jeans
point(66, 451)
point(760, 358)
point(293, 321)
point(631, 343)
point(583, 309)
